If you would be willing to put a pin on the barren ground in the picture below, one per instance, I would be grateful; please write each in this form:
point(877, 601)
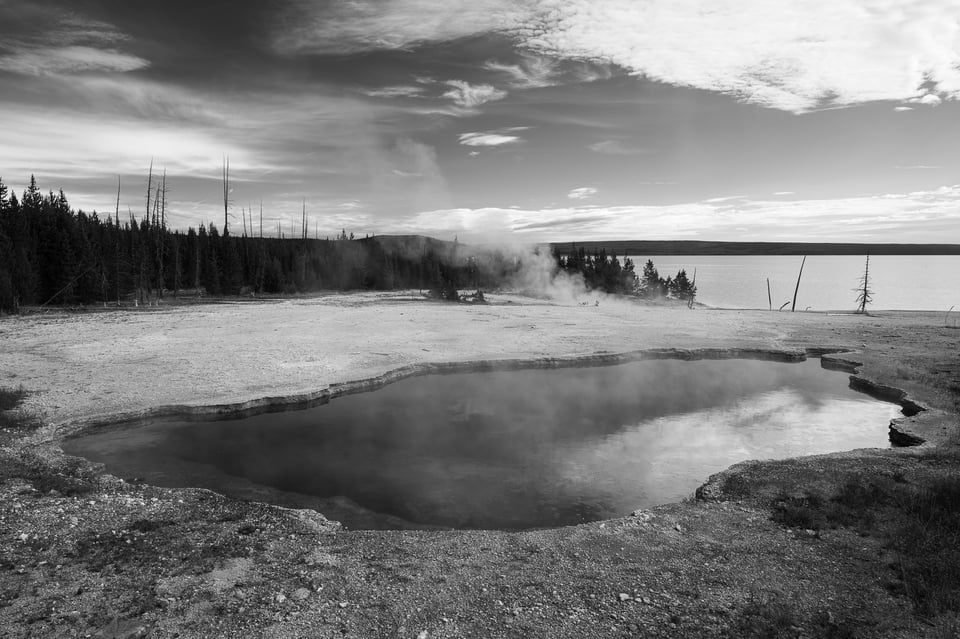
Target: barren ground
point(84, 554)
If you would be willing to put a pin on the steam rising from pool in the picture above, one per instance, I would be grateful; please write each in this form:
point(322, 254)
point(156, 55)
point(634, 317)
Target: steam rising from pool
point(512, 449)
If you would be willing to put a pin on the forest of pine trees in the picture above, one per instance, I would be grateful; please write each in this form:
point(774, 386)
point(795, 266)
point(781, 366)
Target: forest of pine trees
point(52, 255)
point(601, 271)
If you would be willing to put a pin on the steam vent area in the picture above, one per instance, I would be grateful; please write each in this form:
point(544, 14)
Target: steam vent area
point(385, 465)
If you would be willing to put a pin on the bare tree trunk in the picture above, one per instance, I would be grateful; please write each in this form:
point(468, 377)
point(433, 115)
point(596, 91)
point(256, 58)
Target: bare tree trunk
point(865, 296)
point(161, 232)
point(769, 297)
point(794, 305)
point(226, 193)
point(116, 247)
point(149, 187)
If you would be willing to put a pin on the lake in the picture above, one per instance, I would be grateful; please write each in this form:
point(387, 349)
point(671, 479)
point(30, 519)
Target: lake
point(508, 449)
point(899, 282)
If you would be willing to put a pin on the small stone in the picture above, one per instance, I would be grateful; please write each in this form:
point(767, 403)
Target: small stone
point(679, 529)
point(281, 597)
point(624, 596)
point(24, 537)
point(343, 604)
point(423, 635)
point(300, 594)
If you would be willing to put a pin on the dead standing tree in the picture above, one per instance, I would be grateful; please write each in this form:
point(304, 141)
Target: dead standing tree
point(864, 293)
point(226, 195)
point(793, 307)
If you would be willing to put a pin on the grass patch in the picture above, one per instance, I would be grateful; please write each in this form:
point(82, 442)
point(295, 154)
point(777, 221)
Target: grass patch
point(735, 487)
point(10, 398)
point(71, 476)
point(929, 544)
point(920, 522)
point(768, 614)
point(10, 417)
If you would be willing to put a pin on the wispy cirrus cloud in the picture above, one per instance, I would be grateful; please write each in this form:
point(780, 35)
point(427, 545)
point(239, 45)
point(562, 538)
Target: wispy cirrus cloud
point(71, 44)
point(582, 193)
point(498, 137)
point(618, 147)
point(365, 25)
point(71, 59)
point(531, 72)
point(399, 91)
point(469, 96)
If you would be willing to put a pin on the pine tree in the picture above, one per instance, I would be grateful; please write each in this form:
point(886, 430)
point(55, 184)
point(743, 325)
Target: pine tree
point(650, 283)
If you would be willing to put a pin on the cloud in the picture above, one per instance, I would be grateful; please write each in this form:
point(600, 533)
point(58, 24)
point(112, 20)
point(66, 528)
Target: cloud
point(394, 92)
point(727, 198)
point(487, 139)
point(72, 59)
point(532, 72)
point(781, 193)
point(922, 216)
point(582, 193)
point(930, 99)
point(90, 146)
point(68, 44)
point(617, 147)
point(790, 56)
point(903, 108)
point(492, 138)
point(305, 26)
point(469, 96)
point(917, 167)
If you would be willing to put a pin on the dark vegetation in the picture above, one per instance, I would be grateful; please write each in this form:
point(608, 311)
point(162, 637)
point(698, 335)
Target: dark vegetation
point(604, 272)
point(51, 254)
point(920, 522)
point(74, 476)
point(10, 398)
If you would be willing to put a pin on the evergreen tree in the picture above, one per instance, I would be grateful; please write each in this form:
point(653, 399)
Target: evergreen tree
point(682, 288)
point(651, 285)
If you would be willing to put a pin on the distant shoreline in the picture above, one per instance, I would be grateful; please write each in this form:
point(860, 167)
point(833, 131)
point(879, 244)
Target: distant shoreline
point(696, 247)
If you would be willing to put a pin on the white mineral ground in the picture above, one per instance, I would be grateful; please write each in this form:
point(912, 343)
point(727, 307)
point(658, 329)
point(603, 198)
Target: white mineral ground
point(90, 367)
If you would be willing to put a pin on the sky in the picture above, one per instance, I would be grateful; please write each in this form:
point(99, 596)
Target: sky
point(538, 120)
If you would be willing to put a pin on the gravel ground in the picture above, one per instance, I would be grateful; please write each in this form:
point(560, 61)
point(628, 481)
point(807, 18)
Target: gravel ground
point(85, 554)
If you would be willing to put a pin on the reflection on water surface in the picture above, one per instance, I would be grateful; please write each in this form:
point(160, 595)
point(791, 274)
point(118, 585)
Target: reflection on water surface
point(514, 449)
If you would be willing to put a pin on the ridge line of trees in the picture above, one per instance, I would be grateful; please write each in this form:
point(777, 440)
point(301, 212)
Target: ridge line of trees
point(603, 271)
point(51, 254)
